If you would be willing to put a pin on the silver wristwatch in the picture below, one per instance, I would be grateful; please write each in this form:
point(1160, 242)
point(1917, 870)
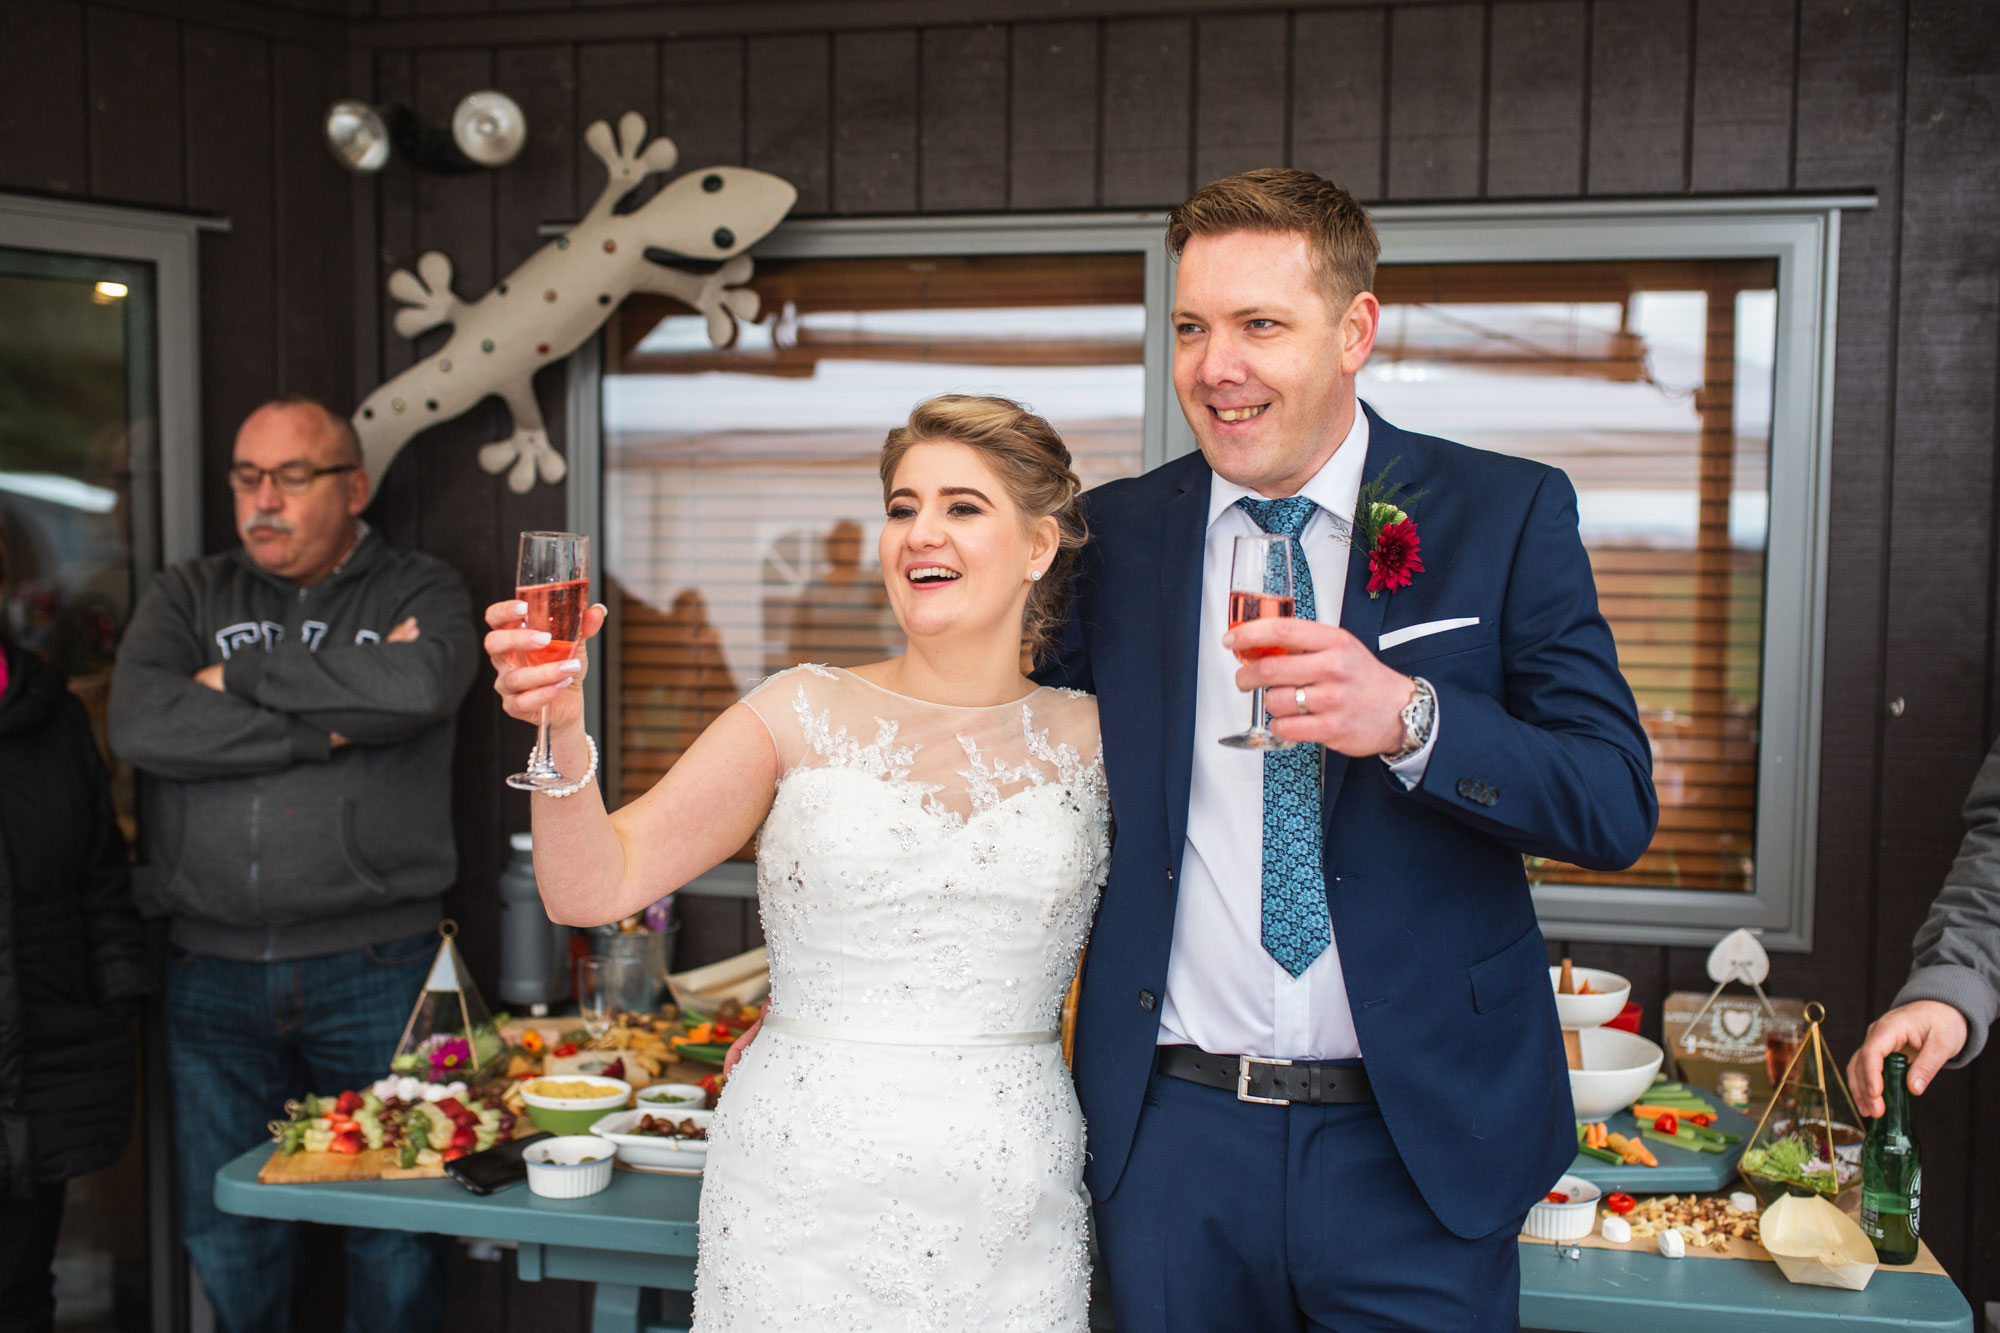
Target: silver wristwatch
point(1419, 716)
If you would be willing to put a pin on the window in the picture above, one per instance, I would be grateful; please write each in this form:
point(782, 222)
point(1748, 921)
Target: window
point(1674, 360)
point(1649, 384)
point(741, 506)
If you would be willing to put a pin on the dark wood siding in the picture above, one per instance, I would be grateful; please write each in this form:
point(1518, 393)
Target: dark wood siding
point(879, 106)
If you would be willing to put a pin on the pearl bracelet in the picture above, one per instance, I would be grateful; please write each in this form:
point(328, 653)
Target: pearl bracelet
point(582, 782)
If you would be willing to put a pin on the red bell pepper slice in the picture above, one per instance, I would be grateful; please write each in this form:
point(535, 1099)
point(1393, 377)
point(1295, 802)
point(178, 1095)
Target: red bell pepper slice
point(1668, 1123)
point(1620, 1204)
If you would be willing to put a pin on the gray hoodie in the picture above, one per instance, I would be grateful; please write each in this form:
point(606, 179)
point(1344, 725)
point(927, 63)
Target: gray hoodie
point(1958, 946)
point(264, 840)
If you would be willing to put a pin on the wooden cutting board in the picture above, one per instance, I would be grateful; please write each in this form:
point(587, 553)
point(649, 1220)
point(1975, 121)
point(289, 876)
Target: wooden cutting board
point(319, 1167)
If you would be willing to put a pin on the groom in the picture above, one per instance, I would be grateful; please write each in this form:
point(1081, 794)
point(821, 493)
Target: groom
point(1316, 1047)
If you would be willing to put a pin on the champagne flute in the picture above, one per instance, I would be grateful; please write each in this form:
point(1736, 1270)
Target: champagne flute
point(553, 578)
point(593, 995)
point(1260, 585)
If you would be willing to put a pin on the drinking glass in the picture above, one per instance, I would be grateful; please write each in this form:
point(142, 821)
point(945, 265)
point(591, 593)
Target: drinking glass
point(553, 578)
point(1260, 585)
point(1782, 1039)
point(593, 995)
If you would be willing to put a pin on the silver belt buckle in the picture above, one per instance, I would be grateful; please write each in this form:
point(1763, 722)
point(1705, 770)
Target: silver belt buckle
point(1243, 1063)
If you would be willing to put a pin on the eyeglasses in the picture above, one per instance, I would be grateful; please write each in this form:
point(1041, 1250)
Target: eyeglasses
point(295, 478)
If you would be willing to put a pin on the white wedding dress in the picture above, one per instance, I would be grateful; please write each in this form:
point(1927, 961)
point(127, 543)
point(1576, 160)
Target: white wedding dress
point(900, 1148)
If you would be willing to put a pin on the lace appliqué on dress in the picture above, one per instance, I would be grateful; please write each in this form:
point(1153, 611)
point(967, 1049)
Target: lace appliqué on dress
point(923, 869)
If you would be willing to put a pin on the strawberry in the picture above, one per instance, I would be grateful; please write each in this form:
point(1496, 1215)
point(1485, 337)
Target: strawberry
point(451, 1106)
point(348, 1141)
point(452, 1154)
point(464, 1137)
point(348, 1103)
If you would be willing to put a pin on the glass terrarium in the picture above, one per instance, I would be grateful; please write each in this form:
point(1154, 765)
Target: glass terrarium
point(1809, 1138)
point(450, 1036)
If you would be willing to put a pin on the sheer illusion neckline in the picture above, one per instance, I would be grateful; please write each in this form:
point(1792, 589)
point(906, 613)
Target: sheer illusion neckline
point(911, 698)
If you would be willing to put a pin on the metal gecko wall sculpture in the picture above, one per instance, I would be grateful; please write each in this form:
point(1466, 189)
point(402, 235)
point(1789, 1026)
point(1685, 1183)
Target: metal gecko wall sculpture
point(543, 310)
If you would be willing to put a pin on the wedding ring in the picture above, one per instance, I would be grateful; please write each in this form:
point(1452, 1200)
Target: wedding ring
point(1299, 698)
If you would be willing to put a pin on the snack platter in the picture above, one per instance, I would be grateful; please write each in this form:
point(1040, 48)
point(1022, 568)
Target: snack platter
point(1680, 1171)
point(370, 1134)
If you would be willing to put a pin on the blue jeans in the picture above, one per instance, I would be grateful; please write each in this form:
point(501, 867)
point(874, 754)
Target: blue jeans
point(242, 1039)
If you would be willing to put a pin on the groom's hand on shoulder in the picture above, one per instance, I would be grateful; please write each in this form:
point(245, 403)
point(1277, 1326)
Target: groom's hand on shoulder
point(1354, 704)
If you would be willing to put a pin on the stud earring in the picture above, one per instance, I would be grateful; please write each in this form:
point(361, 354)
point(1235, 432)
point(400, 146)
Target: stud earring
point(1035, 574)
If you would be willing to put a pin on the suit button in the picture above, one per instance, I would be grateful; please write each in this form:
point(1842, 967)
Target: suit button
point(1170, 877)
point(1146, 1001)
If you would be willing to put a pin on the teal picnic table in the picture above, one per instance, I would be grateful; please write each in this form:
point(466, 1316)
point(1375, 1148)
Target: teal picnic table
point(640, 1233)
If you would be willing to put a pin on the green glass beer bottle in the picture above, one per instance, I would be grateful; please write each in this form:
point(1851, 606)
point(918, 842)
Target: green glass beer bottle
point(1892, 1176)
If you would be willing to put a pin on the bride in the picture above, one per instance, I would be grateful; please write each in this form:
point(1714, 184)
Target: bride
point(900, 1148)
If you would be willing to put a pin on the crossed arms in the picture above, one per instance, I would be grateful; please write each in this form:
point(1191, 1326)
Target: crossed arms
point(178, 716)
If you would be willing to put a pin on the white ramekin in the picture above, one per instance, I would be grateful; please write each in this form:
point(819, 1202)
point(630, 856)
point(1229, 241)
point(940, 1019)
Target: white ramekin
point(1566, 1221)
point(556, 1169)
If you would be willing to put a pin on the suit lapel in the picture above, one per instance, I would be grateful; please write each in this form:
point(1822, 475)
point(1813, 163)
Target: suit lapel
point(1184, 539)
point(1360, 614)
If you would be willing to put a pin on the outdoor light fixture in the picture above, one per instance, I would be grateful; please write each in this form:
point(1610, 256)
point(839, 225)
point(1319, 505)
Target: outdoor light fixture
point(488, 127)
point(357, 136)
point(107, 292)
point(487, 130)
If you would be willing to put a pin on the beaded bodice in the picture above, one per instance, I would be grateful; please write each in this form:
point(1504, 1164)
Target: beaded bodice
point(925, 867)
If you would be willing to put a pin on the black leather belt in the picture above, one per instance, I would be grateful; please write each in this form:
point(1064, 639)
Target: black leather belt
point(1273, 1082)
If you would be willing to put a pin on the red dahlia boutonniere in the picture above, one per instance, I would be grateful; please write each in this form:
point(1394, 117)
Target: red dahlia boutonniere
point(1388, 533)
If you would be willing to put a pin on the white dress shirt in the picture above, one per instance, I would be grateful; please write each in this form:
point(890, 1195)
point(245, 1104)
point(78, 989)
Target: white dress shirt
point(1225, 993)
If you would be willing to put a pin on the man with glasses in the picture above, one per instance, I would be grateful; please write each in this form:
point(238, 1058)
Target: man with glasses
point(291, 704)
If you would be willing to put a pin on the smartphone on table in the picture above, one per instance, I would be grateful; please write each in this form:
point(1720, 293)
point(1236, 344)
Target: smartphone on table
point(497, 1168)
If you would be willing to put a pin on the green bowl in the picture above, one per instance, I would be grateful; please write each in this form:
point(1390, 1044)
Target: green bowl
point(566, 1122)
point(575, 1115)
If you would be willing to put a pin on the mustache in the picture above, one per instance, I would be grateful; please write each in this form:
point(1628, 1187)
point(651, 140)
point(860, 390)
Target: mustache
point(257, 523)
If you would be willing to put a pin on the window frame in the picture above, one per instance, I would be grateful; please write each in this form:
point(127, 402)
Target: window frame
point(168, 472)
point(1802, 234)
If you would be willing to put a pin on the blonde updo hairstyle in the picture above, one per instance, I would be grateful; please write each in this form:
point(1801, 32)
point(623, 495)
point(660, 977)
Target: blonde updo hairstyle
point(1031, 460)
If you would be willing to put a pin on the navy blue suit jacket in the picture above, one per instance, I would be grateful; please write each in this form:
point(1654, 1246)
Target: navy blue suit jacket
point(1539, 751)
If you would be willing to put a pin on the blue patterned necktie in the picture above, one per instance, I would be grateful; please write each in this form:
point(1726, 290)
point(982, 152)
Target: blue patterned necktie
point(1296, 928)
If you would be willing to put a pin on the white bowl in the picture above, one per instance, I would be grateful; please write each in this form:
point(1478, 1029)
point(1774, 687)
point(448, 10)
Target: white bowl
point(1589, 1011)
point(557, 1168)
point(1566, 1221)
point(672, 1097)
point(651, 1149)
point(1617, 1067)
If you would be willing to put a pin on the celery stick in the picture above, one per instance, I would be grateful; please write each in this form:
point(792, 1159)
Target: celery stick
point(1601, 1154)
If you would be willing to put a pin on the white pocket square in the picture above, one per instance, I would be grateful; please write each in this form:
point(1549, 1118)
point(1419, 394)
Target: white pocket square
point(1408, 632)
